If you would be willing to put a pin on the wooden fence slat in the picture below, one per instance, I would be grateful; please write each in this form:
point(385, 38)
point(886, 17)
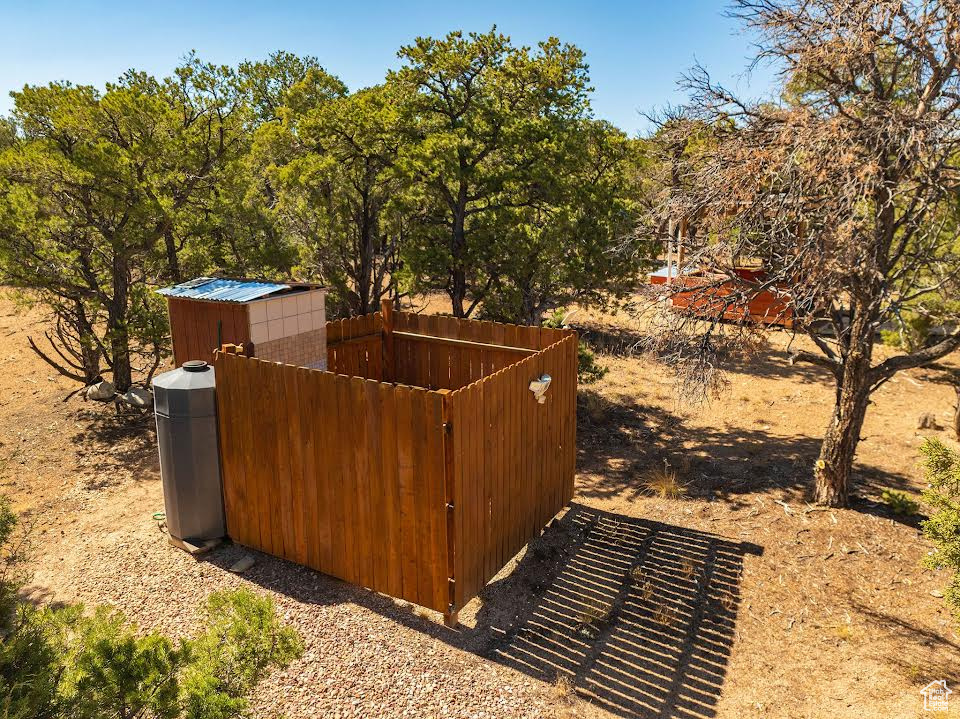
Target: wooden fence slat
point(297, 461)
point(379, 530)
point(362, 480)
point(247, 376)
point(309, 512)
point(391, 497)
point(324, 402)
point(408, 515)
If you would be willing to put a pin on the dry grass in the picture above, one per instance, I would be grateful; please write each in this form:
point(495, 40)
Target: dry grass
point(664, 483)
point(688, 569)
point(593, 617)
point(665, 615)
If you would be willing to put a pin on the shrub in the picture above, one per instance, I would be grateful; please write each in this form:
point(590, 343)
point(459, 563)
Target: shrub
point(664, 483)
point(588, 370)
point(942, 466)
point(899, 502)
point(61, 663)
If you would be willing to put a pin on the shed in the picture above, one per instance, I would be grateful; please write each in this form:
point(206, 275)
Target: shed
point(281, 322)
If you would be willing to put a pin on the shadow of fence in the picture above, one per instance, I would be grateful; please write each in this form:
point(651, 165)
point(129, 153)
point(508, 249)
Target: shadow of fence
point(638, 616)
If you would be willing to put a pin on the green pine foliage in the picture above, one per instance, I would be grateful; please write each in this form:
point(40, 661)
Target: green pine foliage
point(589, 371)
point(942, 466)
point(65, 663)
point(900, 503)
point(475, 169)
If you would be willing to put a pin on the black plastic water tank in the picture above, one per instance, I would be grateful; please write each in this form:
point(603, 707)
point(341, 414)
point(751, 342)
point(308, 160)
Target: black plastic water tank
point(186, 411)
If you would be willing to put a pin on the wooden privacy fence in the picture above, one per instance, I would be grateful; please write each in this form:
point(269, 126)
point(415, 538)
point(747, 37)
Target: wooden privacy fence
point(420, 492)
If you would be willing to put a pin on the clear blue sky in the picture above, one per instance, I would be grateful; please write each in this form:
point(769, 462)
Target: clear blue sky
point(636, 50)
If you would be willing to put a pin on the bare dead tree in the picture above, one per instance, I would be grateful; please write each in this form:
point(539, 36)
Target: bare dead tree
point(845, 189)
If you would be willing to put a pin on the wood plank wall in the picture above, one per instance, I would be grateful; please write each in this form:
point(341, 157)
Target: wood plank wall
point(436, 365)
point(341, 474)
point(358, 478)
point(513, 464)
point(194, 327)
point(355, 346)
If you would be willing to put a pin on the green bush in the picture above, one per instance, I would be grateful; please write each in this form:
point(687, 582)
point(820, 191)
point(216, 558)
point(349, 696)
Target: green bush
point(63, 663)
point(899, 502)
point(589, 370)
point(942, 466)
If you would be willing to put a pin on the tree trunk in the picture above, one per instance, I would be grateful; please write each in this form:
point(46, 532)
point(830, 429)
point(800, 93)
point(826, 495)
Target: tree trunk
point(118, 334)
point(835, 465)
point(458, 275)
point(120, 349)
point(173, 259)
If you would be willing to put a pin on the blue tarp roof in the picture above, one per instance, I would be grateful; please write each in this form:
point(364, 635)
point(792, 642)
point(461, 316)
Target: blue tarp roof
point(222, 290)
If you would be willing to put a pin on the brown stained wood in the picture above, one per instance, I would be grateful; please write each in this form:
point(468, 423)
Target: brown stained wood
point(438, 561)
point(498, 336)
point(281, 476)
point(243, 376)
point(476, 493)
point(264, 432)
point(297, 460)
point(386, 312)
point(515, 454)
point(305, 381)
point(370, 470)
point(501, 428)
point(490, 441)
point(391, 496)
point(347, 487)
point(379, 535)
point(408, 511)
point(421, 355)
point(362, 327)
point(322, 400)
point(422, 479)
point(228, 446)
point(193, 327)
point(362, 477)
point(453, 482)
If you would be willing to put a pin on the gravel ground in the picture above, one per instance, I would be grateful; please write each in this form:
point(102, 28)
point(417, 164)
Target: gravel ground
point(365, 655)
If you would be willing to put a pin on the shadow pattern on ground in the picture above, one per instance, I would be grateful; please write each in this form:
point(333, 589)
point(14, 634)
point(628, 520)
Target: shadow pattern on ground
point(618, 443)
point(638, 616)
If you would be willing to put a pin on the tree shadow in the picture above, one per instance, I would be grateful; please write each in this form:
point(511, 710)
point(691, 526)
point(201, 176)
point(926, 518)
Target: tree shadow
point(620, 443)
point(638, 616)
point(129, 439)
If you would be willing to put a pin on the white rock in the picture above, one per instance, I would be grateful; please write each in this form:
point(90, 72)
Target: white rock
point(102, 391)
point(138, 397)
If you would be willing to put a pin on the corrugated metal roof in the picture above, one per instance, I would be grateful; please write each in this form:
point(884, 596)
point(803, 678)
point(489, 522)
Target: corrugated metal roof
point(217, 289)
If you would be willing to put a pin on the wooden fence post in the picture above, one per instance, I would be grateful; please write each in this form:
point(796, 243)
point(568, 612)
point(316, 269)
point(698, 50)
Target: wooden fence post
point(450, 616)
point(386, 312)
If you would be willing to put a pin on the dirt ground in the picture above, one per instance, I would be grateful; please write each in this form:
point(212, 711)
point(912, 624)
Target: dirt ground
point(737, 600)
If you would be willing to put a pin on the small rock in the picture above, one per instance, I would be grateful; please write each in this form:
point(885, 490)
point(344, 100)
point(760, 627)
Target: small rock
point(243, 564)
point(102, 391)
point(936, 593)
point(138, 397)
point(927, 421)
